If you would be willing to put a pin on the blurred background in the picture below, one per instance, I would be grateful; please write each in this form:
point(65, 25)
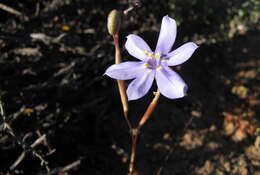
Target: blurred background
point(53, 54)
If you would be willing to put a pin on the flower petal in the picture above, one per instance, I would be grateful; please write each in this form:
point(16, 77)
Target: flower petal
point(167, 35)
point(136, 46)
point(140, 86)
point(126, 70)
point(181, 54)
point(170, 83)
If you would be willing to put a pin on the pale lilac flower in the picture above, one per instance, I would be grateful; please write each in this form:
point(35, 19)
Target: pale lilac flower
point(154, 64)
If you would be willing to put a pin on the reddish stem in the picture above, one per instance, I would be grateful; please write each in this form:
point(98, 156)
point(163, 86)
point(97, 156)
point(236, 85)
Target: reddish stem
point(135, 134)
point(121, 83)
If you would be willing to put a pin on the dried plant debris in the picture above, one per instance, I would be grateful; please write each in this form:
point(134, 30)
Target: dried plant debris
point(28, 51)
point(239, 125)
point(240, 90)
point(221, 165)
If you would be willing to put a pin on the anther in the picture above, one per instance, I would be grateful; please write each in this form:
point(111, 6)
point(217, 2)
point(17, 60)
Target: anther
point(157, 56)
point(146, 65)
point(150, 55)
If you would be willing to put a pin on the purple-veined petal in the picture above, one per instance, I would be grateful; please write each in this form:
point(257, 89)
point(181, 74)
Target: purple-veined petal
point(140, 86)
point(167, 35)
point(136, 46)
point(170, 83)
point(126, 70)
point(181, 54)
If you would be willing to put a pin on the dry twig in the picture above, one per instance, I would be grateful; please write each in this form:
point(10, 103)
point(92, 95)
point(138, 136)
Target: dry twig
point(45, 38)
point(63, 170)
point(6, 127)
point(36, 154)
point(12, 10)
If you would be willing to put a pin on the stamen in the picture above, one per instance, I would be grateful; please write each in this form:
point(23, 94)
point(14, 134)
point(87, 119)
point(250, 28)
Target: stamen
point(157, 55)
point(150, 56)
point(146, 65)
point(158, 67)
point(146, 52)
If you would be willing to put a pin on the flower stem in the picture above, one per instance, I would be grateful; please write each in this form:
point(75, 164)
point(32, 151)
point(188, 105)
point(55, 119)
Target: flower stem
point(149, 110)
point(118, 57)
point(134, 134)
point(121, 83)
point(135, 131)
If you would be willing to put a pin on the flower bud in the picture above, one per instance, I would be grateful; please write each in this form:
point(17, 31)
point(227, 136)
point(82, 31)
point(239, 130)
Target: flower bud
point(114, 21)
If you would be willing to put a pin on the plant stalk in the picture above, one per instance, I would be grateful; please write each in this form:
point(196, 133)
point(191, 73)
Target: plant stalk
point(149, 110)
point(121, 83)
point(135, 134)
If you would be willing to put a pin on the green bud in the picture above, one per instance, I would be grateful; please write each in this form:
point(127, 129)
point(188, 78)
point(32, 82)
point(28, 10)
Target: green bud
point(114, 21)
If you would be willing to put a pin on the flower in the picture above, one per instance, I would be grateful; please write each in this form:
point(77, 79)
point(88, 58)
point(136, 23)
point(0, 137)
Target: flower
point(154, 65)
